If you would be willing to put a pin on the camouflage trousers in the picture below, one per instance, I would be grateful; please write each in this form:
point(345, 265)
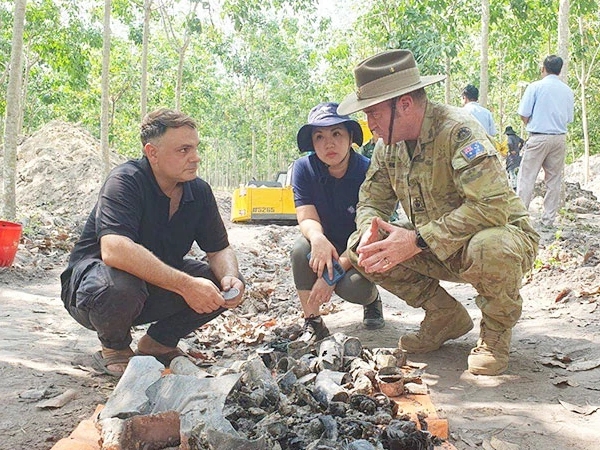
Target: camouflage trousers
point(494, 262)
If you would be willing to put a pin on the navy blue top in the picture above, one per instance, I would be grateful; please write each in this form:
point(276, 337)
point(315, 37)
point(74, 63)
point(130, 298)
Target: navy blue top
point(131, 204)
point(335, 199)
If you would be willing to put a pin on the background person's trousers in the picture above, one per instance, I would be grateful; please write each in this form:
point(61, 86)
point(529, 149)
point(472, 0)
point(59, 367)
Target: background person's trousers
point(545, 151)
point(110, 301)
point(493, 262)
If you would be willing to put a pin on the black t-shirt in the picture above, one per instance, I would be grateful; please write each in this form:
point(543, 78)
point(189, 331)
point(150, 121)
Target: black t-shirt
point(131, 204)
point(334, 199)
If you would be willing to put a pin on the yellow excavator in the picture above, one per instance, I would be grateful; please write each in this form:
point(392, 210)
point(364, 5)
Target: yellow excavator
point(264, 200)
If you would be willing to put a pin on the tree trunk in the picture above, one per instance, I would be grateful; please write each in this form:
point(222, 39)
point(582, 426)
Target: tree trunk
point(178, 85)
point(24, 85)
point(448, 87)
point(180, 49)
point(563, 52)
point(485, 36)
point(563, 38)
point(500, 111)
point(144, 81)
point(13, 111)
point(586, 133)
point(104, 122)
point(583, 80)
point(254, 174)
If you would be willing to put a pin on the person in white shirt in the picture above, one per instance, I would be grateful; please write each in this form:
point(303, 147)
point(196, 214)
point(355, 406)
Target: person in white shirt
point(546, 109)
point(470, 97)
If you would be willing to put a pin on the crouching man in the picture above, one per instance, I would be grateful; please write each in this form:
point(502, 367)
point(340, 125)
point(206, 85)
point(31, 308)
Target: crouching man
point(465, 223)
point(129, 266)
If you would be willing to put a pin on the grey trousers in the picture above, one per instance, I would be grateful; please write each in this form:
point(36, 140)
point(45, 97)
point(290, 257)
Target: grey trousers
point(545, 151)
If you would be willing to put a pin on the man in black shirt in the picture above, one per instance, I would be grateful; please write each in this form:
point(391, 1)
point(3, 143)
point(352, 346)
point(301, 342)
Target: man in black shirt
point(128, 267)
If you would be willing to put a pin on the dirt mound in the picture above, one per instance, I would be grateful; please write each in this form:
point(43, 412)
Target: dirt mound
point(575, 174)
point(59, 173)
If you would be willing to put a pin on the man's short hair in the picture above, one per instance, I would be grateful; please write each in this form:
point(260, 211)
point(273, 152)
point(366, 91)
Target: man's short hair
point(156, 123)
point(553, 64)
point(471, 93)
point(419, 95)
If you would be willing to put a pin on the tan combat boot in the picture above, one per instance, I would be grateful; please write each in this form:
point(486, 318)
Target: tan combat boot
point(490, 357)
point(439, 326)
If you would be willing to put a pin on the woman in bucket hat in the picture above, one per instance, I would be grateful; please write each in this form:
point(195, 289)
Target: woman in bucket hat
point(465, 224)
point(325, 184)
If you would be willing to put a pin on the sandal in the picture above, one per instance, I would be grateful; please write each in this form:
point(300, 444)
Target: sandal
point(165, 358)
point(104, 363)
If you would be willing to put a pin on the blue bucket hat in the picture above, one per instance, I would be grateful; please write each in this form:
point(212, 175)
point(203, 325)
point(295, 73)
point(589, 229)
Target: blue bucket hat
point(325, 115)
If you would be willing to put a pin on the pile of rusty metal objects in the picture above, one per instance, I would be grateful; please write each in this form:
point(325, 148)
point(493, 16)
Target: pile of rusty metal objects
point(332, 395)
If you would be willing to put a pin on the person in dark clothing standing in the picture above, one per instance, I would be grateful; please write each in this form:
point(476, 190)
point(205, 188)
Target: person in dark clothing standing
point(513, 158)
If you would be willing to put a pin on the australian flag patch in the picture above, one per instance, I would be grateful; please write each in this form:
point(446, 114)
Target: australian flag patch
point(473, 150)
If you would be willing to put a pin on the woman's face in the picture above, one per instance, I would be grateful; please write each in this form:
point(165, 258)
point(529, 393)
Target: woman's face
point(331, 144)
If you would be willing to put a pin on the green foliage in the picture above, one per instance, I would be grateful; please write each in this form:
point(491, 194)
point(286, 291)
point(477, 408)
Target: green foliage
point(254, 68)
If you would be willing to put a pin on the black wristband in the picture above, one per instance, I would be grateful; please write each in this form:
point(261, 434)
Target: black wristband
point(421, 242)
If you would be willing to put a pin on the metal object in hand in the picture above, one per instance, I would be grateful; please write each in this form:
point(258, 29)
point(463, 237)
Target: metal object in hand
point(230, 294)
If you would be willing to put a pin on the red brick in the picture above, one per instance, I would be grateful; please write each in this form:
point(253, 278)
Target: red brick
point(414, 404)
point(156, 429)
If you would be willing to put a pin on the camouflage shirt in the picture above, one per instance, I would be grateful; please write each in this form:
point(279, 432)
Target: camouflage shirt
point(452, 187)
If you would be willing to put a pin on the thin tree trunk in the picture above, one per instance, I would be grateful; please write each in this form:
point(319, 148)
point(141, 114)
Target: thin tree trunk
point(563, 52)
point(144, 83)
point(583, 78)
point(178, 86)
point(447, 87)
point(254, 174)
point(13, 111)
point(586, 133)
point(24, 86)
point(180, 49)
point(104, 120)
point(485, 30)
point(500, 112)
point(563, 37)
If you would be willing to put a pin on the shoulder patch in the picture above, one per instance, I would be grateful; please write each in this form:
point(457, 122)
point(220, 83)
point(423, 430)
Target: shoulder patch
point(473, 150)
point(463, 134)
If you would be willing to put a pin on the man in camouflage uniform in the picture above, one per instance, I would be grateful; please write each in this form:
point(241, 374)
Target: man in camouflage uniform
point(465, 222)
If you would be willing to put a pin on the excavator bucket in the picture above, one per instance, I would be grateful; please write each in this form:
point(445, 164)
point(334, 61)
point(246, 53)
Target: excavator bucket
point(264, 201)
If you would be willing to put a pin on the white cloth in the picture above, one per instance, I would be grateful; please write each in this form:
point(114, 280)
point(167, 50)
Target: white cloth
point(484, 116)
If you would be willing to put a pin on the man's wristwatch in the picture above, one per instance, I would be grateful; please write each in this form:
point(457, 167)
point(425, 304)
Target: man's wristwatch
point(421, 242)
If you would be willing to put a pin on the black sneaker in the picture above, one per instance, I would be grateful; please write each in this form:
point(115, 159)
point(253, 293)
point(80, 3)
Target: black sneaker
point(373, 315)
point(314, 330)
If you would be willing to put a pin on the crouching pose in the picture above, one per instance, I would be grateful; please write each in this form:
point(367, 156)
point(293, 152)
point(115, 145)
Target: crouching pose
point(325, 185)
point(465, 223)
point(129, 266)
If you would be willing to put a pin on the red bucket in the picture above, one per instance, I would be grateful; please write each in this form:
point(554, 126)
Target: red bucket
point(10, 235)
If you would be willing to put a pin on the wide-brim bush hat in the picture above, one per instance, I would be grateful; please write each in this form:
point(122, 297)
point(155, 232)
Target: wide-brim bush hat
point(325, 115)
point(386, 75)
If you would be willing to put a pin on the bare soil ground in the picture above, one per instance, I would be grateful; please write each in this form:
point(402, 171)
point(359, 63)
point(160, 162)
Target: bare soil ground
point(548, 399)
